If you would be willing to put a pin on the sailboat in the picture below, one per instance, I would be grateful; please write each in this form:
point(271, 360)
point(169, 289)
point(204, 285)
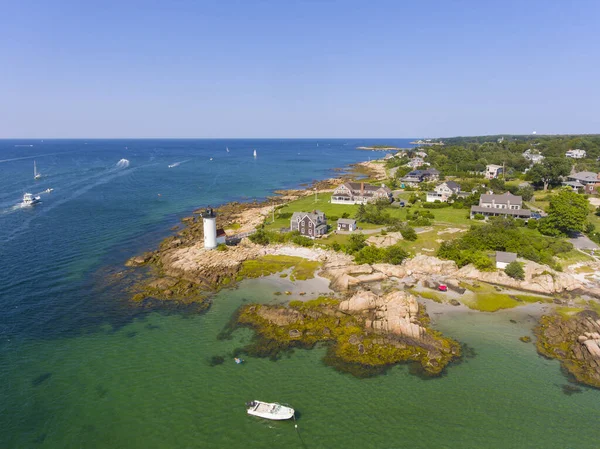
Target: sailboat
point(36, 175)
point(227, 149)
point(254, 153)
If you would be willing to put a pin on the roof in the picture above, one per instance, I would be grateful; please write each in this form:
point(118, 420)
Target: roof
point(501, 199)
point(221, 232)
point(586, 176)
point(452, 185)
point(311, 215)
point(346, 221)
point(493, 166)
point(505, 257)
point(369, 187)
point(574, 184)
point(514, 212)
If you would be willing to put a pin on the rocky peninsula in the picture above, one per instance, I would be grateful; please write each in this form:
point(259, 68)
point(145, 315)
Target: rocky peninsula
point(374, 320)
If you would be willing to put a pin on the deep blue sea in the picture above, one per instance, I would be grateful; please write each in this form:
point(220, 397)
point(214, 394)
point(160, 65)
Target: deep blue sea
point(83, 367)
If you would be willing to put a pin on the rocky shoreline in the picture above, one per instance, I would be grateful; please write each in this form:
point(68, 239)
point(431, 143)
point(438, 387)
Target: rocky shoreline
point(375, 321)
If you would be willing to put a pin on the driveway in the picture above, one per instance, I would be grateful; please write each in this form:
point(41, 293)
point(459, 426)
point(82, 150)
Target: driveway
point(580, 241)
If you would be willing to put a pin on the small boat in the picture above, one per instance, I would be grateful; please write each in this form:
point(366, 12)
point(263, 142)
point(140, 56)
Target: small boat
point(48, 190)
point(268, 410)
point(36, 175)
point(30, 200)
point(211, 158)
point(254, 153)
point(227, 149)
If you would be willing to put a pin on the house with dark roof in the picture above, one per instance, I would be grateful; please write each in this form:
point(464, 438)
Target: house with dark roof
point(346, 224)
point(505, 205)
point(310, 224)
point(586, 180)
point(360, 193)
point(504, 258)
point(443, 192)
point(221, 236)
point(415, 177)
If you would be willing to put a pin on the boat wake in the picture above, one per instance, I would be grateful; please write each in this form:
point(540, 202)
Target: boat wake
point(177, 164)
point(123, 163)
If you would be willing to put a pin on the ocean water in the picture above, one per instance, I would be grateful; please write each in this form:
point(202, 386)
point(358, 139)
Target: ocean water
point(81, 367)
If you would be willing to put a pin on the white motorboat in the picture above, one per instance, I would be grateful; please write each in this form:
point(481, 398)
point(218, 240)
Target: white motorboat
point(36, 175)
point(48, 190)
point(268, 410)
point(30, 200)
point(254, 153)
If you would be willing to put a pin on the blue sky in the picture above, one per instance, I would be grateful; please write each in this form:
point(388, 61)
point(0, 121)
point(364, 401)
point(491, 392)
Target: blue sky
point(298, 68)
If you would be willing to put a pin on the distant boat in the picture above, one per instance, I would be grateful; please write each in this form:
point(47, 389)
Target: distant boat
point(48, 190)
point(211, 158)
point(227, 149)
point(36, 175)
point(254, 153)
point(269, 411)
point(30, 200)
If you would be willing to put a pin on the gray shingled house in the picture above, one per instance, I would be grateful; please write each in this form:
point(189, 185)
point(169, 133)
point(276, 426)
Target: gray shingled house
point(310, 224)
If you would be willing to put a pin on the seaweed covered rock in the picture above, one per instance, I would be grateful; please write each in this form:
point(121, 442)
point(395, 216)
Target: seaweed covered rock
point(366, 331)
point(575, 341)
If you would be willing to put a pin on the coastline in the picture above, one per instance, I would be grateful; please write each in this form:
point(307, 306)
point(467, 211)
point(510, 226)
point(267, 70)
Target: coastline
point(183, 271)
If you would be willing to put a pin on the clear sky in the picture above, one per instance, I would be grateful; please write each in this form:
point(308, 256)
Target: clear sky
point(286, 68)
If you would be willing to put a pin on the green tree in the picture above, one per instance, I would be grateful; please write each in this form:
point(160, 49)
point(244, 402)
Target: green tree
point(567, 212)
point(515, 270)
point(356, 243)
point(549, 171)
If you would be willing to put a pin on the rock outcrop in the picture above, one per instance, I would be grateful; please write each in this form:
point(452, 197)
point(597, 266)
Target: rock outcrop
point(575, 341)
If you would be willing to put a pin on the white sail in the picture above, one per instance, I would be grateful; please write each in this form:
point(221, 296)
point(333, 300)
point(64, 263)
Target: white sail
point(36, 175)
point(254, 153)
point(227, 148)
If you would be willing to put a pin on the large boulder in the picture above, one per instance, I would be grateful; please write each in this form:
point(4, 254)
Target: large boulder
point(429, 265)
point(360, 301)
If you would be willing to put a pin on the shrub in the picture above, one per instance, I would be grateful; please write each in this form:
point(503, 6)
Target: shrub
point(336, 246)
point(421, 221)
point(345, 215)
point(436, 205)
point(532, 224)
point(479, 217)
point(519, 222)
point(286, 215)
point(302, 241)
point(260, 237)
point(222, 247)
point(482, 261)
point(356, 243)
point(408, 233)
point(589, 228)
point(515, 270)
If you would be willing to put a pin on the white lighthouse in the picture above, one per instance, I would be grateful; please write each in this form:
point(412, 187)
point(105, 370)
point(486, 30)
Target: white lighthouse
point(209, 219)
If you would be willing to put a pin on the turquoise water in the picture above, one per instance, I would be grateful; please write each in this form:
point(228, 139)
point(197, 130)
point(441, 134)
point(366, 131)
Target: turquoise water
point(81, 367)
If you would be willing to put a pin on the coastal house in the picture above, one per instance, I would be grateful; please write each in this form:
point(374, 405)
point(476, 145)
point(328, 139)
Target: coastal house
point(533, 156)
point(504, 258)
point(506, 205)
point(360, 193)
point(576, 154)
point(388, 156)
point(586, 180)
point(443, 192)
point(346, 224)
point(221, 236)
point(421, 154)
point(415, 177)
point(415, 162)
point(493, 171)
point(310, 224)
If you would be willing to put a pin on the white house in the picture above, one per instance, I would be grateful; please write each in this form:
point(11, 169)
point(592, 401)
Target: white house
point(533, 156)
point(505, 205)
point(443, 192)
point(576, 154)
point(504, 258)
point(493, 171)
point(360, 193)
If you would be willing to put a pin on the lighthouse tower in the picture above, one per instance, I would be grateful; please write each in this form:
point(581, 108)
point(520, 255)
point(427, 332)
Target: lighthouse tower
point(209, 219)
